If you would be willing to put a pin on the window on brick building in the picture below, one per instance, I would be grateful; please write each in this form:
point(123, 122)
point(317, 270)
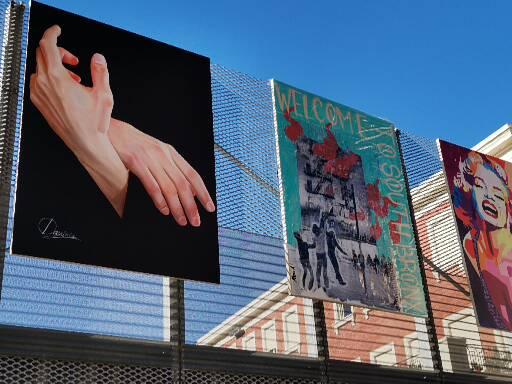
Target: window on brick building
point(413, 347)
point(269, 337)
point(464, 349)
point(412, 350)
point(384, 355)
point(291, 331)
point(501, 352)
point(250, 342)
point(504, 341)
point(342, 312)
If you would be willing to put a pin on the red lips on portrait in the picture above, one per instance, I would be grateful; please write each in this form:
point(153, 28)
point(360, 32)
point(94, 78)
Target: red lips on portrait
point(490, 209)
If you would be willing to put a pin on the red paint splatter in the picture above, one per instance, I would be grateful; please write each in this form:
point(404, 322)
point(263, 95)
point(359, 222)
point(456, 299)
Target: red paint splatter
point(328, 150)
point(387, 203)
point(378, 204)
point(376, 231)
point(374, 196)
point(329, 190)
point(342, 166)
point(294, 131)
point(361, 216)
point(394, 230)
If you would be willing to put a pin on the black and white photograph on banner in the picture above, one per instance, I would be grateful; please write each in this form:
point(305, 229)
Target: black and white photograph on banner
point(347, 260)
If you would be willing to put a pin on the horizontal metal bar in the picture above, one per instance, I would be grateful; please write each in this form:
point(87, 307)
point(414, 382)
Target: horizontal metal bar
point(55, 345)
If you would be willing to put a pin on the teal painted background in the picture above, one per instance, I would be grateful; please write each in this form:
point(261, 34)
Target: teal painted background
point(374, 140)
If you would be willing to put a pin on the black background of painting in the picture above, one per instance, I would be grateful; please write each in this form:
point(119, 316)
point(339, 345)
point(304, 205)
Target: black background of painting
point(163, 91)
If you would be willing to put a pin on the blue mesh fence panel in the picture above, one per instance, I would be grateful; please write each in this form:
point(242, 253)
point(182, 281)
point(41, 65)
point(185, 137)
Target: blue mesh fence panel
point(253, 272)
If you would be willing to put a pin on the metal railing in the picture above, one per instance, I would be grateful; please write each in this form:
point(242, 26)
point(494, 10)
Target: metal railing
point(490, 361)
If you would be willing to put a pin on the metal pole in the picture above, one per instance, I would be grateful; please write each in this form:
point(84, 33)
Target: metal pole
point(321, 339)
point(430, 321)
point(177, 325)
point(9, 107)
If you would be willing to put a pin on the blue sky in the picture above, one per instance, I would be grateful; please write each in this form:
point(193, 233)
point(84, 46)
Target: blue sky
point(435, 68)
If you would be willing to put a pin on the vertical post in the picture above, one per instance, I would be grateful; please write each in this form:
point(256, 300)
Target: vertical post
point(430, 321)
point(177, 324)
point(9, 113)
point(321, 339)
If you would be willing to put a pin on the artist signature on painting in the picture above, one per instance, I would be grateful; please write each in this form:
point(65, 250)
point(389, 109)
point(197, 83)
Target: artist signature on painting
point(49, 230)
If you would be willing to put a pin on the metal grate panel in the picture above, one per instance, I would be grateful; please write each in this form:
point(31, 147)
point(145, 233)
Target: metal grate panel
point(21, 370)
point(205, 377)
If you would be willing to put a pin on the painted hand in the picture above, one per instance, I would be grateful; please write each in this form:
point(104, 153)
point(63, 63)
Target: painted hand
point(167, 177)
point(79, 115)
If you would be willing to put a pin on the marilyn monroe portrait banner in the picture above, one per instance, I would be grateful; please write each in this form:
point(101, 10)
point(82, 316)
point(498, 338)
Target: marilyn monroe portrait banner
point(480, 190)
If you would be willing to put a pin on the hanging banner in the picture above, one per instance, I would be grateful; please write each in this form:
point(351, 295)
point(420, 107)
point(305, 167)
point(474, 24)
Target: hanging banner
point(480, 190)
point(116, 162)
point(348, 230)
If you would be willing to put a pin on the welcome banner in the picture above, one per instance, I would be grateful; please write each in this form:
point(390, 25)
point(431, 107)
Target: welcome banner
point(347, 225)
